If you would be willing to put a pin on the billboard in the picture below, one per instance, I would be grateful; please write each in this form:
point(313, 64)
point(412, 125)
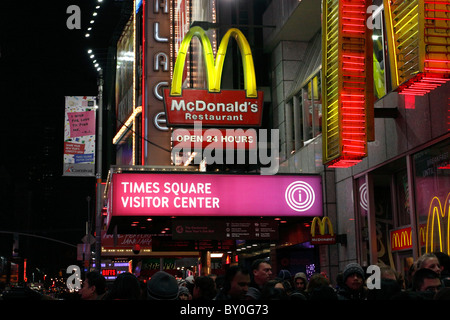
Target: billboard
point(155, 194)
point(79, 136)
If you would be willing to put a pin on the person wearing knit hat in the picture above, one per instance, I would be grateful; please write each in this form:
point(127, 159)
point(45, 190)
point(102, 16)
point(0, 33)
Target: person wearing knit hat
point(162, 286)
point(183, 293)
point(353, 283)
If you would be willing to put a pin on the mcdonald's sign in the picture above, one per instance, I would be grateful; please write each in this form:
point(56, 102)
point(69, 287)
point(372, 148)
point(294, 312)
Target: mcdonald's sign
point(401, 239)
point(322, 238)
point(438, 235)
point(214, 107)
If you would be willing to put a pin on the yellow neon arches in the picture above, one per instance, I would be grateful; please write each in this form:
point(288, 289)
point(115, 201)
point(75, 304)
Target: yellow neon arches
point(437, 215)
point(214, 68)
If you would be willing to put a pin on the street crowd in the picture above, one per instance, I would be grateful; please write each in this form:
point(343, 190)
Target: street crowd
point(427, 279)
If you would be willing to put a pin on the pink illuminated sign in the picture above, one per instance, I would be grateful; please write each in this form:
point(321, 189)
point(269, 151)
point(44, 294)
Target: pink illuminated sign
point(141, 194)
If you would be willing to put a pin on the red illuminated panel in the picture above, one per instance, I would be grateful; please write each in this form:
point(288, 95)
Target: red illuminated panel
point(354, 79)
point(109, 272)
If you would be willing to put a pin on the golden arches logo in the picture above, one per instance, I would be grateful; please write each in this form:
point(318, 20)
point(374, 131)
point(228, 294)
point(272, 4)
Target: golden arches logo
point(214, 67)
point(321, 222)
point(401, 239)
point(436, 217)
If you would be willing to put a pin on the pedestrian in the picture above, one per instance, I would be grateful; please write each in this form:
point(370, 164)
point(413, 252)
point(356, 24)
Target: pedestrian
point(274, 290)
point(183, 293)
point(125, 287)
point(94, 286)
point(428, 261)
point(353, 286)
point(162, 286)
point(316, 281)
point(300, 282)
point(323, 292)
point(427, 282)
point(261, 273)
point(444, 261)
point(388, 289)
point(286, 279)
point(235, 285)
point(204, 288)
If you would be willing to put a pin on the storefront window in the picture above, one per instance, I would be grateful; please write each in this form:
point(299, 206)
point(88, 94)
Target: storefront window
point(383, 216)
point(379, 66)
point(432, 193)
point(402, 201)
point(311, 98)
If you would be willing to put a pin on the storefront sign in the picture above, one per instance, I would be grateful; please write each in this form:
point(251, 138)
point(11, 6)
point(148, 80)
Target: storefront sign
point(126, 240)
point(218, 230)
point(214, 107)
point(401, 239)
point(218, 138)
point(168, 244)
point(322, 238)
point(148, 194)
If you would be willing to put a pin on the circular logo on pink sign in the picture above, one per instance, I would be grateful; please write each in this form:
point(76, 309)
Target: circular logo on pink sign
point(300, 196)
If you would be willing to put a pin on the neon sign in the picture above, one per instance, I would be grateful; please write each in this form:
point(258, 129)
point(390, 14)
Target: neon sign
point(214, 107)
point(157, 194)
point(347, 82)
point(438, 213)
point(418, 44)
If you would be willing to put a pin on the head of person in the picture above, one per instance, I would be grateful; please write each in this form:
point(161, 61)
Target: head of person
point(94, 286)
point(353, 276)
point(262, 271)
point(317, 280)
point(300, 281)
point(426, 280)
point(204, 288)
point(273, 290)
point(183, 293)
point(125, 287)
point(444, 261)
point(237, 281)
point(162, 286)
point(428, 261)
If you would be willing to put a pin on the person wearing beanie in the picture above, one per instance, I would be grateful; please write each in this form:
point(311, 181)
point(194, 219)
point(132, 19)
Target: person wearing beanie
point(183, 293)
point(353, 287)
point(162, 286)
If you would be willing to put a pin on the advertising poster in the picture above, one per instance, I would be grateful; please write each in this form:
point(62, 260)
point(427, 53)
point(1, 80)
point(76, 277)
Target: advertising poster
point(79, 136)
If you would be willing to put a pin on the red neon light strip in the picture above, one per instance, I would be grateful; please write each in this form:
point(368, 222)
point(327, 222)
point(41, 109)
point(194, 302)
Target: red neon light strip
point(436, 18)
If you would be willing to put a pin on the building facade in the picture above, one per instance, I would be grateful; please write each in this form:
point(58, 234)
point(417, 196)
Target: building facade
point(389, 206)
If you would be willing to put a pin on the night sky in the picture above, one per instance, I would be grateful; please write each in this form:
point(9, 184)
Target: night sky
point(41, 62)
